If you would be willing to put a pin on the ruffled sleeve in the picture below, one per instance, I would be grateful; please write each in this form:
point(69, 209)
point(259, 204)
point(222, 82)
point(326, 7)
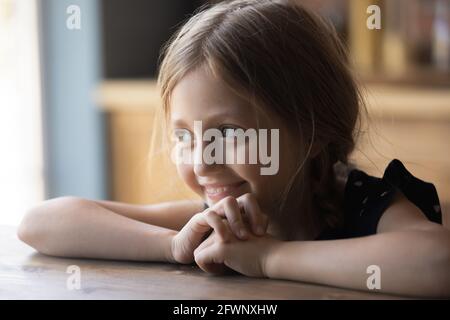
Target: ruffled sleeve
point(367, 197)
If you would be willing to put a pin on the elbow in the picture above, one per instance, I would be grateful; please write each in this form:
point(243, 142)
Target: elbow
point(30, 229)
point(439, 271)
point(23, 231)
point(427, 274)
point(445, 271)
point(440, 284)
point(38, 226)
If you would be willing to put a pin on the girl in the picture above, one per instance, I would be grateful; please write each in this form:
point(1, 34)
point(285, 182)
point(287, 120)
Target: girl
point(266, 65)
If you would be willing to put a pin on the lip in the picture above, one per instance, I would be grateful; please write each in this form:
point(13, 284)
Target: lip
point(218, 191)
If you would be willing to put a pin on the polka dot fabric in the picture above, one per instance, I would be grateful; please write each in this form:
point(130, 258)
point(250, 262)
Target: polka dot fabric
point(367, 197)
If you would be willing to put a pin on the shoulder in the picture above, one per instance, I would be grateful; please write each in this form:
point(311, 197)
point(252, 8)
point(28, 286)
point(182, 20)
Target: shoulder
point(402, 215)
point(395, 201)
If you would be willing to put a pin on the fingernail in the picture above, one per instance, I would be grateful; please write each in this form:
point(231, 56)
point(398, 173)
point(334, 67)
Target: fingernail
point(242, 233)
point(260, 230)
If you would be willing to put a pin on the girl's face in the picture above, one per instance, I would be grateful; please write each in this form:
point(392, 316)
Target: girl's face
point(200, 96)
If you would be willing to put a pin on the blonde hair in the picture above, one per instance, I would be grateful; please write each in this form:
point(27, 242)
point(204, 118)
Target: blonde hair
point(281, 56)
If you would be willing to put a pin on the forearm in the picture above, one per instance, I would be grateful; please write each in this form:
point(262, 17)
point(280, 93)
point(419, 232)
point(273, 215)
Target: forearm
point(171, 215)
point(411, 263)
point(80, 228)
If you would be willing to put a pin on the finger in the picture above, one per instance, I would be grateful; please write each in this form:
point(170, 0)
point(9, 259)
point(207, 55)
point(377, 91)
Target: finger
point(216, 222)
point(210, 259)
point(203, 245)
point(198, 227)
point(258, 220)
point(207, 242)
point(234, 217)
point(198, 224)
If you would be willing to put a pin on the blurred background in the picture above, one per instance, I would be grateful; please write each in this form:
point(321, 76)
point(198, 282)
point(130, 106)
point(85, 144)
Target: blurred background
point(78, 95)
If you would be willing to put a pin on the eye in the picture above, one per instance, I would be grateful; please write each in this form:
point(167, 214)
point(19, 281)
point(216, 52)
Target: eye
point(228, 131)
point(182, 136)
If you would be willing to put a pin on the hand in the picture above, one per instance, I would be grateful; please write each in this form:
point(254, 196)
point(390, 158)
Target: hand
point(246, 257)
point(239, 213)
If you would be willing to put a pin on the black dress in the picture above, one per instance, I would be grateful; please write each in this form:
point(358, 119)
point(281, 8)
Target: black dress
point(367, 197)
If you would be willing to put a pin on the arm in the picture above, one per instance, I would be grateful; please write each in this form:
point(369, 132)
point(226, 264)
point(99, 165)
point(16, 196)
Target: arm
point(75, 227)
point(171, 215)
point(411, 263)
point(412, 253)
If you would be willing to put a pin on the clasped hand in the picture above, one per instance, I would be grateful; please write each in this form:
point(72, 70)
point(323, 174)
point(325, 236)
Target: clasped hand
point(229, 235)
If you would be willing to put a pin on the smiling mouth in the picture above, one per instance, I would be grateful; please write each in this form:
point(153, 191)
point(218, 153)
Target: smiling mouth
point(217, 192)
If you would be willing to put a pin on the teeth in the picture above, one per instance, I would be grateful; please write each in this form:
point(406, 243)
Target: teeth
point(217, 190)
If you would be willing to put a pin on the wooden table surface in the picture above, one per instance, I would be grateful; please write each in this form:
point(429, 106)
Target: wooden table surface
point(26, 274)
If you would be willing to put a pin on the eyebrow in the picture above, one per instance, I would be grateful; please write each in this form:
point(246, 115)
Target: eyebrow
point(179, 122)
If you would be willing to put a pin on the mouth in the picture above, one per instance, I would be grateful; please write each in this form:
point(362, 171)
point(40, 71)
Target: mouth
point(216, 192)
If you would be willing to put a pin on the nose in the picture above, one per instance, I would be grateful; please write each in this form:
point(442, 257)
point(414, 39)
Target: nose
point(203, 166)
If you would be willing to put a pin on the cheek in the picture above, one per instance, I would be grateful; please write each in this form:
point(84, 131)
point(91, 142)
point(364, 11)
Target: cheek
point(261, 186)
point(186, 173)
point(271, 187)
point(266, 188)
point(247, 172)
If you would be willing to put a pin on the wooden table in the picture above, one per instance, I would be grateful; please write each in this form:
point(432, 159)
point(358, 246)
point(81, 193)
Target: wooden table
point(26, 274)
